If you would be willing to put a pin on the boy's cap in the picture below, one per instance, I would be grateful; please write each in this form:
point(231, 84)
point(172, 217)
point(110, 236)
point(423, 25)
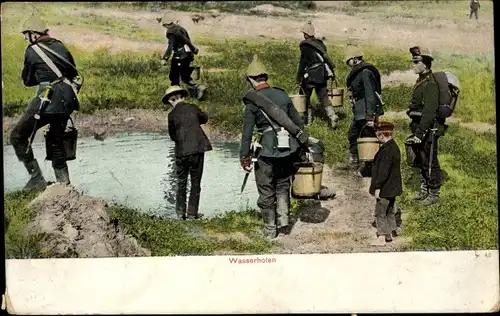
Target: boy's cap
point(384, 127)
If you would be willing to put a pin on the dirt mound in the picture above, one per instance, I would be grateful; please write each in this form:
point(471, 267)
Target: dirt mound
point(77, 225)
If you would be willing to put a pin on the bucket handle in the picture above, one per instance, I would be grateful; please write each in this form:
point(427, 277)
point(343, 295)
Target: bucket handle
point(332, 82)
point(302, 89)
point(71, 120)
point(363, 128)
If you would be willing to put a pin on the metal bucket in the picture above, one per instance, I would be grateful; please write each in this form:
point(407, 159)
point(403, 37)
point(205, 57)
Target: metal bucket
point(336, 95)
point(196, 74)
point(411, 154)
point(367, 148)
point(299, 101)
point(70, 138)
point(307, 180)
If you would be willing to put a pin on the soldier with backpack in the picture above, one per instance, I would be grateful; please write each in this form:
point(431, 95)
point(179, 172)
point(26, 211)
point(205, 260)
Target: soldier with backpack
point(314, 70)
point(364, 84)
point(432, 102)
point(183, 56)
point(50, 65)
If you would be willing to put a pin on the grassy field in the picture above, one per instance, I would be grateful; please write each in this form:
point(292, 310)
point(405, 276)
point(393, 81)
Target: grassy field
point(467, 217)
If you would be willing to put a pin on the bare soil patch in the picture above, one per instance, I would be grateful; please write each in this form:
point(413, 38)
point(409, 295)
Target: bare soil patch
point(111, 122)
point(91, 41)
point(77, 225)
point(339, 225)
point(398, 77)
point(479, 127)
point(438, 35)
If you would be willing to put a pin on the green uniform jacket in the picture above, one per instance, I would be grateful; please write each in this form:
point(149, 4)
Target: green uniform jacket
point(424, 105)
point(363, 81)
point(308, 58)
point(253, 117)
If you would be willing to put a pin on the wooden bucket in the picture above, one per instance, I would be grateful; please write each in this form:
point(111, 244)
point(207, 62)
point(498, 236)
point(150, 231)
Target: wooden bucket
point(367, 148)
point(299, 101)
point(336, 95)
point(307, 180)
point(70, 138)
point(196, 74)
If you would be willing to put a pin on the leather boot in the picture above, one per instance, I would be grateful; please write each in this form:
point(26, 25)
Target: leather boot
point(432, 198)
point(62, 175)
point(308, 116)
point(424, 190)
point(37, 181)
point(282, 210)
point(269, 218)
point(353, 163)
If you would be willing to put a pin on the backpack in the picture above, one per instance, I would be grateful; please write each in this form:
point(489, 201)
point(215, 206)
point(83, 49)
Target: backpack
point(449, 89)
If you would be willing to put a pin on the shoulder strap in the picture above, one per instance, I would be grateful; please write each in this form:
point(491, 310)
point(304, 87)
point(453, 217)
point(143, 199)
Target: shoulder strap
point(277, 114)
point(57, 55)
point(47, 60)
point(269, 120)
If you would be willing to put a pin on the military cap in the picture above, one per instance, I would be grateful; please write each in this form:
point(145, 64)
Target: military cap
point(34, 24)
point(419, 55)
point(256, 68)
point(384, 127)
point(165, 19)
point(352, 52)
point(308, 29)
point(173, 90)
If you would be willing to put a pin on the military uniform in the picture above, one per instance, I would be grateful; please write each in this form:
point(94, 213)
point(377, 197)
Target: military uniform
point(183, 50)
point(423, 111)
point(274, 168)
point(191, 143)
point(474, 7)
point(63, 102)
point(312, 74)
point(363, 82)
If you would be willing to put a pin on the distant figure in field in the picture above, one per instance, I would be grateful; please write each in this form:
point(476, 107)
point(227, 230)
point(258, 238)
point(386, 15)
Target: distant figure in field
point(474, 7)
point(181, 66)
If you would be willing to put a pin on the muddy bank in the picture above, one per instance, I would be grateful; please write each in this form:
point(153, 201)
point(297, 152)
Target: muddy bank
point(77, 225)
point(111, 122)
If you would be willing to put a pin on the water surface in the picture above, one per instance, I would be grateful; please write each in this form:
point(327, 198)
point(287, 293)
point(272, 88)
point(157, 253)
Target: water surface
point(137, 170)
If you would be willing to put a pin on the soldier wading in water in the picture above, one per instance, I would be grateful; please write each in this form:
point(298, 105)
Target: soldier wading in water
point(426, 127)
point(181, 66)
point(315, 67)
point(363, 81)
point(191, 143)
point(48, 64)
point(274, 168)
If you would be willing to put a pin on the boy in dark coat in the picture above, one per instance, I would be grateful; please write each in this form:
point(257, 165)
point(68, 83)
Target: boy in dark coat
point(386, 183)
point(191, 143)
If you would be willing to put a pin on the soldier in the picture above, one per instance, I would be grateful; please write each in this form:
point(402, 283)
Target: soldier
point(315, 67)
point(55, 100)
point(181, 66)
point(426, 127)
point(191, 143)
point(474, 7)
point(363, 81)
point(274, 168)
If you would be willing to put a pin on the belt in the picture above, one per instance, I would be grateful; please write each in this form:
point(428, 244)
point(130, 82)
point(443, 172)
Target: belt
point(414, 113)
point(313, 66)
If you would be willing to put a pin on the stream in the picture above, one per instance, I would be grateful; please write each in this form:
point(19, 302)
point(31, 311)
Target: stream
point(137, 170)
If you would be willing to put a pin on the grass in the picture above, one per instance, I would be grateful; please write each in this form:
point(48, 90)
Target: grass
point(465, 219)
point(18, 243)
